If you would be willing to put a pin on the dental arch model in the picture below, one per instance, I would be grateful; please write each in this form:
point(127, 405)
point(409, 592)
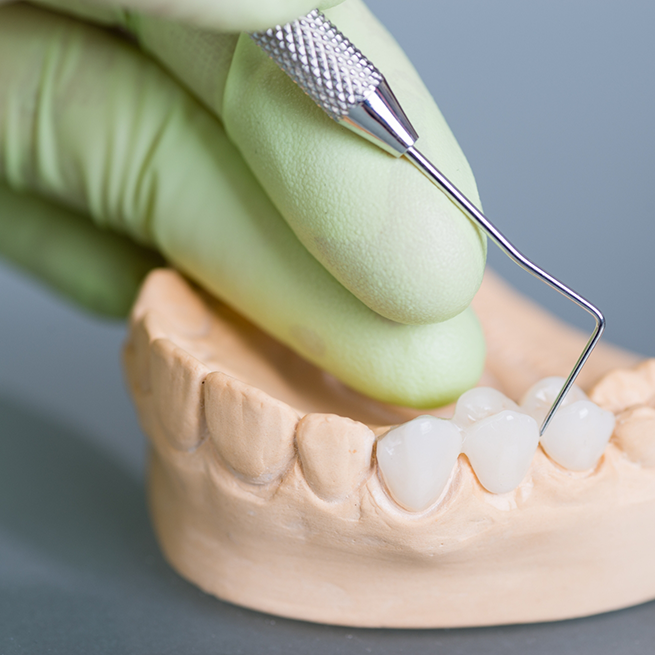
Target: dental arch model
point(263, 493)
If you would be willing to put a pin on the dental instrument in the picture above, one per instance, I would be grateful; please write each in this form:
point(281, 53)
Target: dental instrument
point(351, 90)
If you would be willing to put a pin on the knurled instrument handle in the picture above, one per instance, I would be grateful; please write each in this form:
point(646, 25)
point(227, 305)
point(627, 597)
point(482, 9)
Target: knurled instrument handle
point(339, 79)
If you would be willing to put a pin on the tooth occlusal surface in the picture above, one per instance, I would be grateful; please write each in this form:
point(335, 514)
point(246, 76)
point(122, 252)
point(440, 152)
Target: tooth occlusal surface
point(500, 449)
point(539, 397)
point(416, 460)
point(479, 403)
point(634, 434)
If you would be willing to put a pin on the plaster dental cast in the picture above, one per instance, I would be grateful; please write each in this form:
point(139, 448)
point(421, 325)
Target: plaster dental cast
point(193, 145)
point(274, 486)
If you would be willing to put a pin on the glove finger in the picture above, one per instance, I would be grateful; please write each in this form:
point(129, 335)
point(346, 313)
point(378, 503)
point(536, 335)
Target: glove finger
point(379, 226)
point(87, 119)
point(213, 15)
point(97, 269)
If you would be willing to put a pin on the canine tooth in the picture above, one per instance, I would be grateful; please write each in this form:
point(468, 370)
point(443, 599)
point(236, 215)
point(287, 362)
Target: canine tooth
point(417, 458)
point(578, 434)
point(176, 381)
point(253, 432)
point(500, 449)
point(540, 396)
point(335, 453)
point(476, 404)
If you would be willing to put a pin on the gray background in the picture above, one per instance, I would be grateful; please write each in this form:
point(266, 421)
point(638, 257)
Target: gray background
point(553, 103)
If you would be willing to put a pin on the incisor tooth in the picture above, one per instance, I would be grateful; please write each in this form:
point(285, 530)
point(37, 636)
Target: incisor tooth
point(500, 449)
point(416, 460)
point(540, 396)
point(476, 404)
point(578, 435)
point(335, 453)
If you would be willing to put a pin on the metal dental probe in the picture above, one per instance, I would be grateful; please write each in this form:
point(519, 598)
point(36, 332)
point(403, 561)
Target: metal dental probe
point(351, 90)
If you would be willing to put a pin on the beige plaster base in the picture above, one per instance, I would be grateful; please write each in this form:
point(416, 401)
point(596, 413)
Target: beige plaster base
point(263, 493)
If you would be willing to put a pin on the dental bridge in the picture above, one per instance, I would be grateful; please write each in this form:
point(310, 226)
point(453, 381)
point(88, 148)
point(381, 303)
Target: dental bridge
point(499, 438)
point(351, 90)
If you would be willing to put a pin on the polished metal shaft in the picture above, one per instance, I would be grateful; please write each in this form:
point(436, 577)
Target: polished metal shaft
point(350, 89)
point(433, 174)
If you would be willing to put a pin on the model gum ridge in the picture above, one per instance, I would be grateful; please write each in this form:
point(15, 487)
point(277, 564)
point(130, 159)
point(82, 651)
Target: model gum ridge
point(273, 486)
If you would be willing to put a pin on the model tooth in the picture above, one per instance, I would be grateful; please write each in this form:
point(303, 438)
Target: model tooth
point(176, 380)
point(253, 433)
point(500, 449)
point(184, 310)
point(635, 429)
point(578, 435)
point(540, 397)
point(479, 403)
point(137, 350)
point(135, 358)
point(416, 460)
point(621, 389)
point(335, 453)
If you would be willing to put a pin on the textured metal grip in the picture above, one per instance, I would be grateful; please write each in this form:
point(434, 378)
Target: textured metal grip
point(339, 79)
point(322, 61)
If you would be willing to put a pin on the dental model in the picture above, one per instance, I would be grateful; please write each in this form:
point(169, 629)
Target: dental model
point(281, 490)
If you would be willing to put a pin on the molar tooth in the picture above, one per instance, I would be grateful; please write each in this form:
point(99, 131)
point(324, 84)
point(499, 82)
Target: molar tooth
point(137, 349)
point(417, 458)
point(500, 449)
point(538, 399)
point(622, 389)
point(253, 432)
point(176, 380)
point(335, 453)
point(184, 310)
point(479, 403)
point(578, 434)
point(635, 429)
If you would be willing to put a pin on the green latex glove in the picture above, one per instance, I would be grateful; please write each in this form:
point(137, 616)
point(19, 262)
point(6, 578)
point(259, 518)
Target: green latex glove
point(346, 254)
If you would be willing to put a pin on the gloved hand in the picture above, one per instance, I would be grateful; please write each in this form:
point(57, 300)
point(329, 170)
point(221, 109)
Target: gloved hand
point(222, 164)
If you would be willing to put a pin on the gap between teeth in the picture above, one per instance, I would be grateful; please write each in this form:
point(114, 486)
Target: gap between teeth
point(499, 438)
